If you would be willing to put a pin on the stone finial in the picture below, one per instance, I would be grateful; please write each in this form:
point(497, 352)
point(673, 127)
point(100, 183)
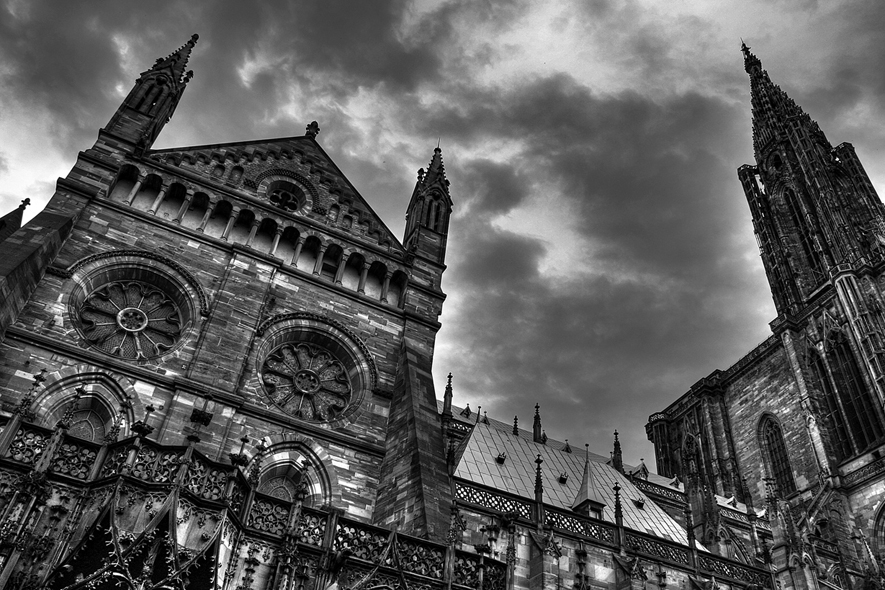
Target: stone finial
point(539, 481)
point(536, 426)
point(516, 425)
point(312, 129)
point(25, 202)
point(447, 398)
point(617, 455)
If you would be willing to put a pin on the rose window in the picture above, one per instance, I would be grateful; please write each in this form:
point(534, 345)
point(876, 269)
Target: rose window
point(130, 319)
point(307, 382)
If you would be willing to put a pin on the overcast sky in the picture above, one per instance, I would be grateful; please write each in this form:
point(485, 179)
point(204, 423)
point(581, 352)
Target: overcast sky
point(601, 256)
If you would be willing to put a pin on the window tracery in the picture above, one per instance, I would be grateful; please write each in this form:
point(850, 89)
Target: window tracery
point(306, 381)
point(130, 319)
point(775, 450)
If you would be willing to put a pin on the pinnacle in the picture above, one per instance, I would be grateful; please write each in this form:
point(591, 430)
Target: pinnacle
point(177, 60)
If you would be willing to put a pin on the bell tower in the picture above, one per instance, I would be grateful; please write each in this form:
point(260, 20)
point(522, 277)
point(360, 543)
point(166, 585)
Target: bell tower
point(152, 101)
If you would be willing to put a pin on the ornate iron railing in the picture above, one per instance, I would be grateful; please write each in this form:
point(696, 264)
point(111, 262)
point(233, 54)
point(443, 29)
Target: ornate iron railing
point(492, 501)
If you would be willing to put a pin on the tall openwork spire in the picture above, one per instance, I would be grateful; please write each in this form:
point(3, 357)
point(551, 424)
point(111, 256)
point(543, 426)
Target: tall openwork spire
point(773, 109)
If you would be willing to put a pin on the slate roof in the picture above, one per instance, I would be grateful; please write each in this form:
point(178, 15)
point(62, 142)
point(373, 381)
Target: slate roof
point(517, 476)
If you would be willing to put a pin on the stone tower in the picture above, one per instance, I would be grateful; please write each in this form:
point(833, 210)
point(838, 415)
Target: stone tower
point(797, 425)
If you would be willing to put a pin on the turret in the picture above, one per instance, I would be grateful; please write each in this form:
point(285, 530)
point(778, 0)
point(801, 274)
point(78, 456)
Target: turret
point(152, 101)
point(427, 218)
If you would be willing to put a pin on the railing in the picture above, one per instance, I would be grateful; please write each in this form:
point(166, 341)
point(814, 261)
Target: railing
point(491, 500)
point(656, 548)
point(736, 571)
point(658, 490)
point(580, 526)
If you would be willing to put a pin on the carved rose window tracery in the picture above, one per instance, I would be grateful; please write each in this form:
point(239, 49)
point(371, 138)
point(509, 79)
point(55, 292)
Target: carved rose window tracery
point(130, 319)
point(306, 381)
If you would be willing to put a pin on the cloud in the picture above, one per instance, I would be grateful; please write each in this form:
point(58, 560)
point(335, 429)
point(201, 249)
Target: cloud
point(4, 163)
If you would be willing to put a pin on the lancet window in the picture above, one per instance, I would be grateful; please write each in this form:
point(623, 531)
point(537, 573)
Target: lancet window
point(771, 438)
point(854, 422)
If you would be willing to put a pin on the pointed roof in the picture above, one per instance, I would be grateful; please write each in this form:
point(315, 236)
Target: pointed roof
point(12, 221)
point(435, 174)
point(588, 497)
point(177, 61)
point(772, 107)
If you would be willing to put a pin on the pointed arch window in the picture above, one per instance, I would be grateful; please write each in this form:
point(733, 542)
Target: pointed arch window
point(861, 417)
point(835, 421)
point(855, 422)
point(771, 439)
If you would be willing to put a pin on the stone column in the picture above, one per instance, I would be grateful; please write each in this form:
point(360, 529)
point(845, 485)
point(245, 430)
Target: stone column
point(276, 241)
point(385, 286)
point(340, 271)
point(188, 198)
point(255, 223)
point(230, 222)
point(134, 191)
point(363, 275)
point(206, 216)
point(318, 267)
point(299, 244)
point(156, 205)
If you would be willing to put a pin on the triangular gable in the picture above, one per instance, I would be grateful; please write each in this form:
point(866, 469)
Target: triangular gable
point(248, 166)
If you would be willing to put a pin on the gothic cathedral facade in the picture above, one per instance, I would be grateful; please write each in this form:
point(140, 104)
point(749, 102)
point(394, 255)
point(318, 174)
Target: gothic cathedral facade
point(215, 374)
point(797, 425)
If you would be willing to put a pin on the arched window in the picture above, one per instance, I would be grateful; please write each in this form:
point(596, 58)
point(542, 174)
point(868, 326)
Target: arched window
point(879, 534)
point(771, 439)
point(286, 481)
point(88, 425)
point(861, 416)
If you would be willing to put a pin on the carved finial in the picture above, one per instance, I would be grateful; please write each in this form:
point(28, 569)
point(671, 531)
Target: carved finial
point(516, 425)
point(313, 129)
point(24, 406)
point(619, 513)
point(447, 398)
point(141, 427)
point(71, 409)
point(255, 471)
point(617, 456)
point(478, 410)
point(25, 202)
point(539, 482)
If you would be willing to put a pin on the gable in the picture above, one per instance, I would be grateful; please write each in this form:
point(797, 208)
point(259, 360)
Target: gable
point(293, 174)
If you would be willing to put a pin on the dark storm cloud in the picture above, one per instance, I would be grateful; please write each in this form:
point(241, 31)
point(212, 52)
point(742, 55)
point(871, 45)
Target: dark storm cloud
point(663, 284)
point(632, 323)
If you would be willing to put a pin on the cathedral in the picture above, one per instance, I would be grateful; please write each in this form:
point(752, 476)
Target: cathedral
point(797, 425)
point(215, 373)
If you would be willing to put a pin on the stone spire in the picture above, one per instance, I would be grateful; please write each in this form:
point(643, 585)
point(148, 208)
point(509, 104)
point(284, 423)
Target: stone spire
point(617, 456)
point(537, 433)
point(447, 398)
point(177, 61)
point(588, 499)
point(772, 108)
point(436, 171)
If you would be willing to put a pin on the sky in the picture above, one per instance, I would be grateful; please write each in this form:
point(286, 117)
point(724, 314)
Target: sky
point(601, 257)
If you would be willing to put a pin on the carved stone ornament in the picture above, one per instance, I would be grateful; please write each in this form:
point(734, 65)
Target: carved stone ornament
point(306, 381)
point(130, 319)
